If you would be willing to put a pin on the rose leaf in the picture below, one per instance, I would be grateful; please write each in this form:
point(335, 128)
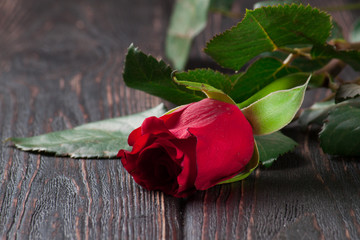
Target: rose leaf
point(340, 134)
point(274, 106)
point(318, 112)
point(187, 21)
point(102, 139)
point(259, 74)
point(145, 73)
point(272, 146)
point(328, 52)
point(269, 29)
point(347, 91)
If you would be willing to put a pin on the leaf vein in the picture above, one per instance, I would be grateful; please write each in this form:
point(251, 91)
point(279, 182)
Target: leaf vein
point(264, 31)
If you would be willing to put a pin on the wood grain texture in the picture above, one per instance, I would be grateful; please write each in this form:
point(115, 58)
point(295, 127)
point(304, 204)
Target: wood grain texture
point(60, 66)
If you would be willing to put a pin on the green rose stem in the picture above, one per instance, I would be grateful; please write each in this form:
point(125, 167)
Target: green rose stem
point(343, 45)
point(331, 70)
point(296, 52)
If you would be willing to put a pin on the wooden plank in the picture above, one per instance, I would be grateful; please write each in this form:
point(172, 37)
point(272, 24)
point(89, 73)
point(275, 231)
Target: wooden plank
point(60, 66)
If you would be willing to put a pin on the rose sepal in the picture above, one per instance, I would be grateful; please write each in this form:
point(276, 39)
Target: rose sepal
point(173, 109)
point(207, 89)
point(273, 107)
point(249, 168)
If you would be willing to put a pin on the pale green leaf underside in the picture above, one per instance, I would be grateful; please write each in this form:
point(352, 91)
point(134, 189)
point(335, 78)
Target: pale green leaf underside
point(319, 111)
point(316, 113)
point(275, 110)
point(268, 29)
point(272, 146)
point(355, 32)
point(102, 139)
point(188, 20)
point(340, 134)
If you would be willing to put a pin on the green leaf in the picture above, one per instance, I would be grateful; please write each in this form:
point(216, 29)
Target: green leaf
point(145, 73)
point(266, 30)
point(347, 91)
point(240, 86)
point(188, 20)
point(249, 168)
point(287, 82)
point(275, 106)
point(274, 3)
point(258, 75)
point(301, 63)
point(102, 139)
point(318, 112)
point(208, 90)
point(355, 32)
point(272, 146)
point(327, 52)
point(340, 134)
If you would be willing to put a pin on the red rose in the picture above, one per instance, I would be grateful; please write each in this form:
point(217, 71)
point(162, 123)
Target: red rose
point(193, 148)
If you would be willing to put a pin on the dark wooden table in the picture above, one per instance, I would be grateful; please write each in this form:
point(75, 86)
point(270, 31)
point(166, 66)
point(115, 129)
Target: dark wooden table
point(60, 66)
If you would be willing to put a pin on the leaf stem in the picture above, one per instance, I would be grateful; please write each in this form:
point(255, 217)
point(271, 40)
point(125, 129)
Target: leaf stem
point(343, 45)
point(304, 50)
point(295, 51)
point(355, 81)
point(289, 59)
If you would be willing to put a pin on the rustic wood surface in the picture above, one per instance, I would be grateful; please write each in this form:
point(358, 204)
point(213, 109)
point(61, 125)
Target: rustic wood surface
point(61, 65)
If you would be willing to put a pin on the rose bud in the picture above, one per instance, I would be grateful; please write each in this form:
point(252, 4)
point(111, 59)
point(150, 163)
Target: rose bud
point(192, 148)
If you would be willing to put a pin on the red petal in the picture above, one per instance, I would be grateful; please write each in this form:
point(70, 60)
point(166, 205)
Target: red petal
point(224, 140)
point(134, 135)
point(153, 125)
point(187, 177)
